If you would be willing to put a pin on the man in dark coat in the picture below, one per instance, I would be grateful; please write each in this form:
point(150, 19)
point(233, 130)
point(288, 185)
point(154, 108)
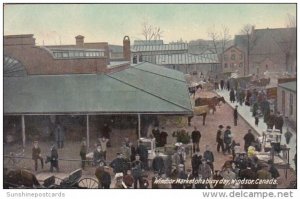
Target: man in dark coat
point(137, 171)
point(227, 139)
point(248, 174)
point(82, 153)
point(143, 152)
point(271, 120)
point(196, 136)
point(158, 163)
point(219, 139)
point(228, 85)
point(97, 155)
point(156, 133)
point(118, 164)
point(163, 137)
point(279, 122)
point(222, 84)
point(196, 162)
point(248, 138)
point(235, 116)
point(54, 159)
point(36, 155)
point(232, 96)
point(208, 156)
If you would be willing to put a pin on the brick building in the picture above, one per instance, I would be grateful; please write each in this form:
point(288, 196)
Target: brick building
point(233, 60)
point(272, 50)
point(287, 101)
point(78, 58)
point(148, 50)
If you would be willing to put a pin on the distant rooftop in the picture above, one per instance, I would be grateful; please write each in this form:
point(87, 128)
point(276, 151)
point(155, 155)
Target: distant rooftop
point(186, 58)
point(148, 42)
point(161, 47)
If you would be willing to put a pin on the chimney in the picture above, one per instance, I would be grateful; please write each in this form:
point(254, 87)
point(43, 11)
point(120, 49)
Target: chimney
point(126, 48)
point(79, 40)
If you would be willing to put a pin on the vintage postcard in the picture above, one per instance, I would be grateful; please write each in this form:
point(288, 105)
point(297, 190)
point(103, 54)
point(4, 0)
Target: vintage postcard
point(150, 96)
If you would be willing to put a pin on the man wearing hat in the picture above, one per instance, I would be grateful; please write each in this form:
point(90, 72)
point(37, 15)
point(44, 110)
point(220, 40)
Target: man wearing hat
point(279, 122)
point(227, 139)
point(158, 163)
point(54, 158)
point(235, 115)
point(36, 155)
point(209, 157)
point(264, 174)
point(196, 136)
point(82, 153)
point(248, 138)
point(143, 152)
point(117, 164)
point(196, 162)
point(97, 155)
point(136, 169)
point(205, 172)
point(219, 139)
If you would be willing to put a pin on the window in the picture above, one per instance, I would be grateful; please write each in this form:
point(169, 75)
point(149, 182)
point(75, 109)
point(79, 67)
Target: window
point(134, 60)
point(225, 57)
point(267, 66)
point(291, 104)
point(65, 54)
point(140, 58)
point(231, 65)
point(241, 56)
point(226, 65)
point(233, 57)
point(241, 65)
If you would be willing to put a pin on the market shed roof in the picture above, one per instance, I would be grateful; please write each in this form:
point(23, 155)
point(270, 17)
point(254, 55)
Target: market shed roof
point(138, 89)
point(161, 47)
point(187, 58)
point(291, 86)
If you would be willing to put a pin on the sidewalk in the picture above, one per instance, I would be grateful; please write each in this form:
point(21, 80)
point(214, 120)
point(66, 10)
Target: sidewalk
point(244, 112)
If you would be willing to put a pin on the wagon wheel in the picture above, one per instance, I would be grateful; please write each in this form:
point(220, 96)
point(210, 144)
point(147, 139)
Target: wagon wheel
point(89, 183)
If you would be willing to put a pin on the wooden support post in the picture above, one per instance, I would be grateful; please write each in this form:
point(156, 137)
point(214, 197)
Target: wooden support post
point(23, 131)
point(87, 131)
point(139, 125)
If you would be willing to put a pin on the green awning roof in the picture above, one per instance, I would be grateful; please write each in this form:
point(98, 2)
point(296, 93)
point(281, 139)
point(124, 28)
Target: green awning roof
point(134, 90)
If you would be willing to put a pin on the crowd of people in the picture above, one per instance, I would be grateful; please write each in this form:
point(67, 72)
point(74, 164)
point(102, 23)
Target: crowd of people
point(131, 167)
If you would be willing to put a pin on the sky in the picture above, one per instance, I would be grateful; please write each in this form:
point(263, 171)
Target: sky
point(59, 23)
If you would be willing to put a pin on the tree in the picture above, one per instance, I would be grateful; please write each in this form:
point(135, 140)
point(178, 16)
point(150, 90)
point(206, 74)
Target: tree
point(290, 38)
point(225, 38)
point(247, 30)
point(151, 32)
point(214, 36)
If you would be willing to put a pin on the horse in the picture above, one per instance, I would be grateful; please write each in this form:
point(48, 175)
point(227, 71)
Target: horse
point(20, 177)
point(211, 102)
point(199, 111)
point(193, 89)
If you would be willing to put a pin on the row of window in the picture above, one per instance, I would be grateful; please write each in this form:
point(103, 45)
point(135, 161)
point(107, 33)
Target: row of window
point(232, 65)
point(233, 57)
point(74, 54)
